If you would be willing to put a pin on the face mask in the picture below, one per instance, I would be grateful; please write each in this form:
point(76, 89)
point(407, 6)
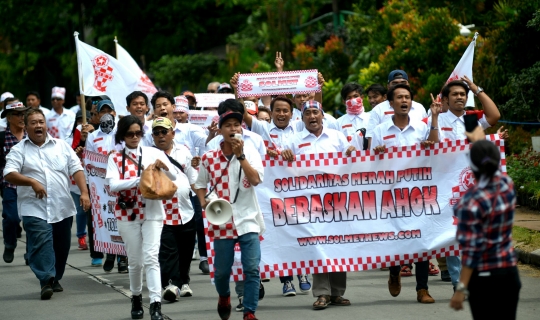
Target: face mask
point(355, 106)
point(107, 123)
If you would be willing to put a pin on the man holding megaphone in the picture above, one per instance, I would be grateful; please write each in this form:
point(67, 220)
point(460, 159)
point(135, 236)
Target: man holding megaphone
point(233, 171)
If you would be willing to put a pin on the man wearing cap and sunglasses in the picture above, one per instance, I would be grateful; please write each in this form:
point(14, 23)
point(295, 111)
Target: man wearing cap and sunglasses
point(14, 112)
point(59, 120)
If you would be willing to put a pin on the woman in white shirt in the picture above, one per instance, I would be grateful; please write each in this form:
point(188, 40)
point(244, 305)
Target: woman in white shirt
point(139, 220)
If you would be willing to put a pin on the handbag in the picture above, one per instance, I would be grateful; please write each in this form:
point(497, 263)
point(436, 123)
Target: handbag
point(154, 183)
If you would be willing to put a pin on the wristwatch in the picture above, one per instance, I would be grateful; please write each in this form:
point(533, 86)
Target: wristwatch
point(462, 288)
point(241, 157)
point(480, 89)
point(434, 128)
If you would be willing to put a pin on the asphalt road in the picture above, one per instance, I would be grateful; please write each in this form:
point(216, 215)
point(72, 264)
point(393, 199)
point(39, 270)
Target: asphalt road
point(90, 293)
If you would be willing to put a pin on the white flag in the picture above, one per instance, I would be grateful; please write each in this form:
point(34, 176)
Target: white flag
point(144, 83)
point(464, 68)
point(101, 74)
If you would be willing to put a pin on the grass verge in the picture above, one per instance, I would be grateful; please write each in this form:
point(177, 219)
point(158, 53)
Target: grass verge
point(526, 239)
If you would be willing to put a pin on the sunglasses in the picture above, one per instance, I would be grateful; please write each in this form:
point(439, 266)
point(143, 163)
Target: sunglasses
point(56, 99)
point(158, 133)
point(133, 134)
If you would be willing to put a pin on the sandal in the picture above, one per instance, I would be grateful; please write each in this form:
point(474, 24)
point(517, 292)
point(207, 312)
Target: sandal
point(339, 301)
point(433, 271)
point(406, 271)
point(321, 303)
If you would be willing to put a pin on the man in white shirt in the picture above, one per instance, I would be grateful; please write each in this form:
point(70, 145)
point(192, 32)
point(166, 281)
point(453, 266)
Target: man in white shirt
point(233, 171)
point(316, 138)
point(59, 120)
point(41, 167)
point(356, 119)
point(402, 130)
point(33, 100)
point(137, 105)
point(383, 111)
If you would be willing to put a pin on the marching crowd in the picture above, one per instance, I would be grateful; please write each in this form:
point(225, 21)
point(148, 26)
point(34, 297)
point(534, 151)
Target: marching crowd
point(44, 185)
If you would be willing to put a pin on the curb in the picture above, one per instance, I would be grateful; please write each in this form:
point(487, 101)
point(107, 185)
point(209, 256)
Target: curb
point(529, 257)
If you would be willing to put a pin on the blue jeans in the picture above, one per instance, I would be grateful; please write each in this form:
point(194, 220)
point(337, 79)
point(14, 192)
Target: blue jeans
point(10, 215)
point(454, 268)
point(81, 215)
point(250, 248)
point(48, 247)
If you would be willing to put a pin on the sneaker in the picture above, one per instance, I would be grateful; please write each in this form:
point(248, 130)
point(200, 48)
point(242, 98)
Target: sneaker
point(304, 284)
point(240, 306)
point(8, 255)
point(224, 307)
point(288, 289)
point(82, 243)
point(249, 316)
point(433, 271)
point(203, 266)
point(261, 291)
point(394, 285)
point(109, 263)
point(96, 262)
point(186, 291)
point(423, 296)
point(122, 265)
point(47, 290)
point(445, 276)
point(57, 287)
point(171, 293)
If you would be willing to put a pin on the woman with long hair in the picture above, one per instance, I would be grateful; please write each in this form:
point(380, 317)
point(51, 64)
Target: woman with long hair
point(139, 220)
point(489, 273)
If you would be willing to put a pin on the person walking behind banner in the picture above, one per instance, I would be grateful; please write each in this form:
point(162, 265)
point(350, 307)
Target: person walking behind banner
point(403, 130)
point(178, 235)
point(376, 94)
point(59, 120)
point(40, 166)
point(328, 288)
point(233, 171)
point(139, 220)
point(353, 124)
point(485, 219)
point(33, 100)
point(14, 112)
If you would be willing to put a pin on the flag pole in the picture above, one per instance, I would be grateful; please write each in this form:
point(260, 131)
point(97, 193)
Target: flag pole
point(116, 46)
point(81, 80)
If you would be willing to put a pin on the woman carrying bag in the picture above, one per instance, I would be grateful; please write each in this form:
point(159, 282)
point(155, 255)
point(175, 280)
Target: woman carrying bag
point(140, 220)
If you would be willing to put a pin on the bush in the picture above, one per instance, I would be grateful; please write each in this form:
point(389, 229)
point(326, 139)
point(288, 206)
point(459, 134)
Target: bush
point(524, 170)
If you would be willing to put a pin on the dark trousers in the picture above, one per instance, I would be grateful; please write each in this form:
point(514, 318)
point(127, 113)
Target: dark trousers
point(10, 217)
point(422, 269)
point(93, 254)
point(495, 296)
point(175, 252)
point(48, 247)
point(201, 239)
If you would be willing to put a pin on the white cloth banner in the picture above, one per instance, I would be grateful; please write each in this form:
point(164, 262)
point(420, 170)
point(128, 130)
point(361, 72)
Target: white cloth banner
point(332, 213)
point(144, 83)
point(106, 236)
point(464, 68)
point(211, 100)
point(203, 119)
point(277, 83)
point(101, 74)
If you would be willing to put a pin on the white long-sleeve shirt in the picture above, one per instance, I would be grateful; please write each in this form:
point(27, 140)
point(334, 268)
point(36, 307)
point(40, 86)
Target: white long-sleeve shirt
point(383, 112)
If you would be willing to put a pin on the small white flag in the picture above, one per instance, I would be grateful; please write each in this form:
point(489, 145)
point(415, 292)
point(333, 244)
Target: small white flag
point(464, 68)
point(144, 83)
point(102, 74)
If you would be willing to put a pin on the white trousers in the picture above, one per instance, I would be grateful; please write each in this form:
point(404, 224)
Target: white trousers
point(142, 239)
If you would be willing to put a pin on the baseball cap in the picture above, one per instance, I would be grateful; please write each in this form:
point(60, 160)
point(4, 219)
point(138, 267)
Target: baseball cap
point(79, 115)
point(189, 94)
point(104, 103)
point(224, 88)
point(397, 74)
point(14, 106)
point(6, 95)
point(162, 122)
point(228, 115)
point(251, 107)
point(311, 104)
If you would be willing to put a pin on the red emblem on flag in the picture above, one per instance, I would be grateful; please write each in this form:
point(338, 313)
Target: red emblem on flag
point(102, 72)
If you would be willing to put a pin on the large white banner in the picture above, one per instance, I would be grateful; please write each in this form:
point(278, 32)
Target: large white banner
point(202, 118)
point(332, 213)
point(106, 236)
point(211, 100)
point(277, 83)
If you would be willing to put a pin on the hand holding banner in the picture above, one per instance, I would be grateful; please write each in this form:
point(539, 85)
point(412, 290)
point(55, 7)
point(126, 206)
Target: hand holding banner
point(277, 83)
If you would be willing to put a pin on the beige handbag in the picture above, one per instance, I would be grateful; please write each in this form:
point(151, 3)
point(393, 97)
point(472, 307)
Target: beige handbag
point(155, 185)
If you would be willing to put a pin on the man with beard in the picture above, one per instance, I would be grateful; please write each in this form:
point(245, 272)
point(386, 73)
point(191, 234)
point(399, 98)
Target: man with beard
point(384, 111)
point(59, 120)
point(403, 130)
point(44, 200)
point(328, 288)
